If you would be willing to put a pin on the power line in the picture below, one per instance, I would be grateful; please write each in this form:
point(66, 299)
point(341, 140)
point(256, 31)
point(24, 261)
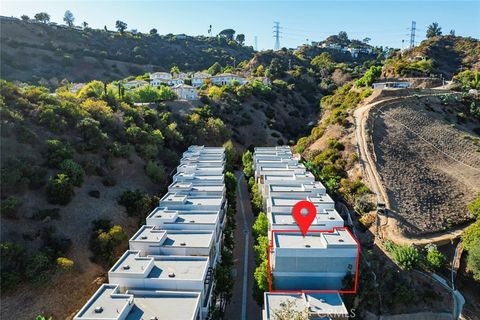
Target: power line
point(276, 35)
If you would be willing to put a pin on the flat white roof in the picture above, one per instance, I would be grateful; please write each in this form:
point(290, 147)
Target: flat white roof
point(291, 200)
point(174, 238)
point(196, 187)
point(187, 215)
point(325, 215)
point(318, 306)
point(108, 303)
point(161, 267)
point(171, 198)
point(315, 240)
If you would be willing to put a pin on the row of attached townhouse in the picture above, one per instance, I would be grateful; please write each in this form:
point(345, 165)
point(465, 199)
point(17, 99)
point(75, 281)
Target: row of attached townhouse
point(306, 264)
point(168, 271)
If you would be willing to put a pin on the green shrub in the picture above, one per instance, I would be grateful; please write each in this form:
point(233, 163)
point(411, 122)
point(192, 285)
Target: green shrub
point(261, 281)
point(369, 77)
point(64, 263)
point(106, 241)
point(57, 152)
point(9, 206)
point(155, 172)
point(39, 268)
point(136, 202)
point(435, 259)
point(60, 190)
point(407, 257)
point(74, 171)
point(474, 207)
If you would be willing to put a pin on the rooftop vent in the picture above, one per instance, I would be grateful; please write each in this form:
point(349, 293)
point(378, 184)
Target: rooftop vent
point(171, 275)
point(183, 244)
point(331, 218)
point(192, 221)
point(143, 237)
point(153, 318)
point(159, 216)
point(126, 267)
point(98, 310)
point(341, 240)
point(307, 246)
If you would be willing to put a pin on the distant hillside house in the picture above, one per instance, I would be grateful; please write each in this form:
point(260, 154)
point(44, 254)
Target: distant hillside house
point(227, 78)
point(135, 84)
point(199, 78)
point(185, 92)
point(175, 82)
point(392, 85)
point(76, 86)
point(182, 75)
point(157, 78)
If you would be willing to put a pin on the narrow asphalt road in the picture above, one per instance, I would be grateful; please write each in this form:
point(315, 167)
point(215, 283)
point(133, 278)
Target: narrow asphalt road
point(242, 306)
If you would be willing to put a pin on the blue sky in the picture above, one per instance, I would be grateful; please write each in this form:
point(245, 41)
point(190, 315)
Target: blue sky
point(385, 22)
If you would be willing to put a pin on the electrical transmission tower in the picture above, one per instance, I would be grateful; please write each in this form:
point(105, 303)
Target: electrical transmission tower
point(256, 43)
point(412, 34)
point(276, 35)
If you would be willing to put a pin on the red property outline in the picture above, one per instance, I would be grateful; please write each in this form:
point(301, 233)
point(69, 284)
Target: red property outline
point(269, 272)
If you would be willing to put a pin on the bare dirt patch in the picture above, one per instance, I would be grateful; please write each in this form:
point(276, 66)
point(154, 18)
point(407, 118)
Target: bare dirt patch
point(429, 163)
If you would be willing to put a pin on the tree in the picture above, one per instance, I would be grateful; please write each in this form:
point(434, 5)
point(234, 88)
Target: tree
point(452, 32)
point(323, 62)
point(260, 227)
point(174, 70)
point(214, 69)
point(369, 77)
point(60, 190)
point(343, 37)
point(42, 17)
point(121, 26)
point(434, 30)
point(227, 34)
point(64, 263)
point(275, 69)
point(261, 281)
point(240, 38)
point(155, 172)
point(68, 18)
point(153, 32)
point(85, 24)
point(247, 160)
point(366, 40)
point(24, 17)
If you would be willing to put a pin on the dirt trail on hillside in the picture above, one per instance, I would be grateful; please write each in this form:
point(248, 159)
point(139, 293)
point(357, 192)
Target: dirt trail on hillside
point(389, 225)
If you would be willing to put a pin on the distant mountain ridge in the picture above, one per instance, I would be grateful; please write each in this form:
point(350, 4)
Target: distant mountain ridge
point(32, 51)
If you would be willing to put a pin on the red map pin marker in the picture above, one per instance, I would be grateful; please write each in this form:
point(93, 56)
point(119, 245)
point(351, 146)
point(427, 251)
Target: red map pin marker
point(304, 221)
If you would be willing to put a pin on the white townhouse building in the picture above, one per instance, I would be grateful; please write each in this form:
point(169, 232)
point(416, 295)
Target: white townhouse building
point(227, 79)
point(182, 75)
point(152, 240)
point(158, 78)
point(315, 305)
point(168, 273)
point(317, 261)
point(185, 92)
point(189, 220)
point(199, 79)
point(109, 302)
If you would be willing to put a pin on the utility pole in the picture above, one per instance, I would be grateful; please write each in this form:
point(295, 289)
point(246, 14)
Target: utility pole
point(289, 63)
point(256, 43)
point(412, 34)
point(276, 35)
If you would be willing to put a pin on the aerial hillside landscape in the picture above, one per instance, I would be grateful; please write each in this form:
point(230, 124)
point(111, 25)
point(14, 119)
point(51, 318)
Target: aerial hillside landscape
point(96, 122)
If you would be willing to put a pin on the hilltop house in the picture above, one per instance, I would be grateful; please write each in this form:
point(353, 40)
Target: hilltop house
point(199, 78)
point(133, 84)
point(227, 78)
point(185, 92)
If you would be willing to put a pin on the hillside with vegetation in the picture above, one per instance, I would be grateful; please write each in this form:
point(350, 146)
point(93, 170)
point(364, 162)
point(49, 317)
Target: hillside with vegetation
point(33, 51)
point(438, 55)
